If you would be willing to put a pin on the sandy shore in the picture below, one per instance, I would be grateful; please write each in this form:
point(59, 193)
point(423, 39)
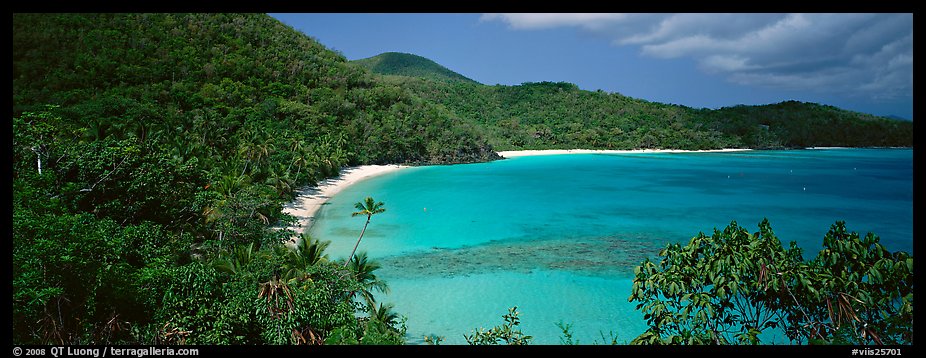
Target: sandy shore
point(523, 153)
point(310, 199)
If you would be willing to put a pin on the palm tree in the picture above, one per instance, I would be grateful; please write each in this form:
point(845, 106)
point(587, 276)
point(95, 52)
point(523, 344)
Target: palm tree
point(234, 261)
point(253, 150)
point(363, 269)
point(384, 313)
point(302, 160)
point(369, 208)
point(300, 258)
point(279, 180)
point(227, 187)
point(308, 251)
point(296, 146)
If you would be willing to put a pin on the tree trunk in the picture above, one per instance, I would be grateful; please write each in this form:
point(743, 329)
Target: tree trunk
point(358, 241)
point(38, 159)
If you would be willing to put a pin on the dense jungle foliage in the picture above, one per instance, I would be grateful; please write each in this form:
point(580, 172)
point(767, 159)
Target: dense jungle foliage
point(559, 115)
point(149, 146)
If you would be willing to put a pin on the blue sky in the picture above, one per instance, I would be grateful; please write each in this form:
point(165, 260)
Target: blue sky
point(860, 62)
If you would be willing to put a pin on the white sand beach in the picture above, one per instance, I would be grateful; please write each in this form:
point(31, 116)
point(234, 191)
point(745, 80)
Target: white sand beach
point(310, 199)
point(523, 153)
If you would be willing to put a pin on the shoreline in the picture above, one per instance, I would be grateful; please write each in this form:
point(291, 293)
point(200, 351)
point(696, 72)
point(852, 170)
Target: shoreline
point(309, 199)
point(524, 153)
point(811, 148)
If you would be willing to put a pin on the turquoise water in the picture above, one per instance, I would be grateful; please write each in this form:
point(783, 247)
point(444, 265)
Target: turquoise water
point(558, 235)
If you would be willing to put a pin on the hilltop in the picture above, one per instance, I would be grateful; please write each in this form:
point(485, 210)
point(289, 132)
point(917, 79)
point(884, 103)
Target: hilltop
point(560, 115)
point(405, 64)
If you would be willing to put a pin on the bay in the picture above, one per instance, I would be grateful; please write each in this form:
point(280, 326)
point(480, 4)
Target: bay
point(558, 236)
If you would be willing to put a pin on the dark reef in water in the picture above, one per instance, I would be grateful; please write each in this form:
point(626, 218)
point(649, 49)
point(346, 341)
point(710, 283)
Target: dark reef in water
point(609, 256)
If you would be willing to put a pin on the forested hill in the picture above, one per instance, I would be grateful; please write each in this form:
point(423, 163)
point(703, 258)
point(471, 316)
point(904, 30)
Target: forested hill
point(550, 115)
point(405, 64)
point(219, 84)
point(152, 154)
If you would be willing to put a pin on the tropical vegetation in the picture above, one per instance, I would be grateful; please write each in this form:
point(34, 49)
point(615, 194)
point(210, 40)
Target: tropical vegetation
point(733, 286)
point(152, 155)
point(508, 333)
point(406, 64)
point(559, 115)
point(368, 207)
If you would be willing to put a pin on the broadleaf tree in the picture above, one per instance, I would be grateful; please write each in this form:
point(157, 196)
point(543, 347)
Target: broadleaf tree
point(733, 286)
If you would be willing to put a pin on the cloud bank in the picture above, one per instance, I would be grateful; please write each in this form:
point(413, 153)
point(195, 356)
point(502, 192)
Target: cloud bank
point(869, 55)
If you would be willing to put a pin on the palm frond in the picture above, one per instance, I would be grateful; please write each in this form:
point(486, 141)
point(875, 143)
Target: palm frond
point(363, 270)
point(369, 207)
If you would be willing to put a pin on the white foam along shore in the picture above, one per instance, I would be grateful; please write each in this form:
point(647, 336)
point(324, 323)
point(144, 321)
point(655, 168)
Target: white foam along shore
point(524, 153)
point(310, 199)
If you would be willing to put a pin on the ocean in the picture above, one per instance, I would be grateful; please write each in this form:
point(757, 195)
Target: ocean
point(558, 236)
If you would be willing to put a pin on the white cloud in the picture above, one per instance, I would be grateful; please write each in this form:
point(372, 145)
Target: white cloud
point(867, 54)
point(542, 21)
point(725, 63)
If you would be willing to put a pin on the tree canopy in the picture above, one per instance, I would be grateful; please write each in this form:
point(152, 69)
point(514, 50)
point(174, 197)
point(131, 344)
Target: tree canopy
point(733, 286)
point(406, 64)
point(559, 115)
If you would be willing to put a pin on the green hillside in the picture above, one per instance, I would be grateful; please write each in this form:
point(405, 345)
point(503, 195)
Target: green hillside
point(152, 154)
point(404, 64)
point(549, 115)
